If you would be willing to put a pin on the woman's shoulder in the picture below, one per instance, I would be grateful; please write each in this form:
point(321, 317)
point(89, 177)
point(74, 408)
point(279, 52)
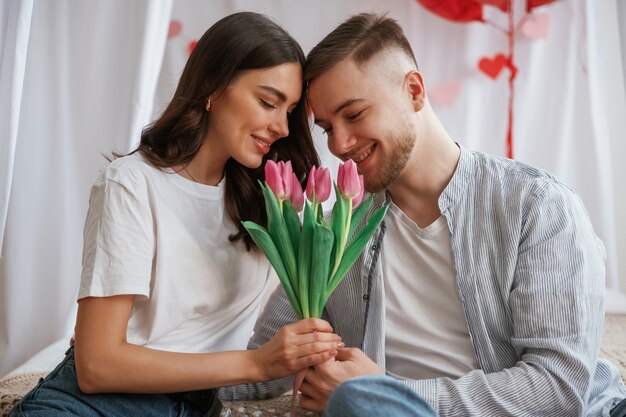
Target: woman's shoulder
point(133, 172)
point(130, 168)
point(133, 163)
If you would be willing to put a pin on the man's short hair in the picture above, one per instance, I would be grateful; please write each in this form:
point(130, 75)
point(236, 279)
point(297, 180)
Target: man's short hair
point(360, 37)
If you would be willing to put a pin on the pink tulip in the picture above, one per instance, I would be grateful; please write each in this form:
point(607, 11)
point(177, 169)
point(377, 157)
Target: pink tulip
point(358, 198)
point(310, 184)
point(318, 185)
point(297, 196)
point(278, 177)
point(348, 182)
point(272, 177)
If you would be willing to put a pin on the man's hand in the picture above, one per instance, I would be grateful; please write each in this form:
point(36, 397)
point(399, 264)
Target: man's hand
point(322, 380)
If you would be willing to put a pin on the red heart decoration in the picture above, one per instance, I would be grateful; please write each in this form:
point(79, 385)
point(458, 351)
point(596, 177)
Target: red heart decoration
point(455, 10)
point(446, 94)
point(174, 29)
point(493, 67)
point(536, 3)
point(536, 26)
point(191, 45)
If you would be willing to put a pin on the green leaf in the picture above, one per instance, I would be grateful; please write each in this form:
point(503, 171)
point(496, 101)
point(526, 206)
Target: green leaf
point(271, 204)
point(277, 229)
point(292, 222)
point(358, 213)
point(264, 241)
point(304, 258)
point(338, 221)
point(322, 246)
point(354, 249)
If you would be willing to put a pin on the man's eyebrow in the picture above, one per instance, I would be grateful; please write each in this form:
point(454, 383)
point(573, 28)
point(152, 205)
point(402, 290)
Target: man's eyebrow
point(279, 94)
point(346, 104)
point(341, 107)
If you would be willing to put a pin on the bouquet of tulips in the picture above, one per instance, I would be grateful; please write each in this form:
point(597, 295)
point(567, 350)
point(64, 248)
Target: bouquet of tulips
point(311, 258)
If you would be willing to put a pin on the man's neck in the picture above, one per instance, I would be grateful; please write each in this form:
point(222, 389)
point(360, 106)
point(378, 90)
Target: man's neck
point(427, 173)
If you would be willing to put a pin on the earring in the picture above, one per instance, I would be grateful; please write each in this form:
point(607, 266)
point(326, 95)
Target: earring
point(208, 105)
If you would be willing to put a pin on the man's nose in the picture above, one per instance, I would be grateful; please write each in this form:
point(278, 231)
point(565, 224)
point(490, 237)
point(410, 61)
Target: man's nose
point(342, 141)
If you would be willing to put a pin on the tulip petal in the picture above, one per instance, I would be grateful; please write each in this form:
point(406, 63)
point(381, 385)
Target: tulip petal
point(341, 173)
point(273, 178)
point(296, 197)
point(286, 173)
point(310, 184)
point(323, 185)
point(359, 197)
point(348, 180)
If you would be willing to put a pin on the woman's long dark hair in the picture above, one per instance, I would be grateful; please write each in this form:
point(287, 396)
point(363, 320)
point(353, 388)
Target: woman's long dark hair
point(239, 42)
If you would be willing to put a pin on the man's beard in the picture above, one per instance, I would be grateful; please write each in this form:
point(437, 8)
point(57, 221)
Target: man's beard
point(393, 164)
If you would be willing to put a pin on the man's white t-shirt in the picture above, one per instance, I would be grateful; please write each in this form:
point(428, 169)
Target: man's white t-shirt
point(163, 238)
point(426, 329)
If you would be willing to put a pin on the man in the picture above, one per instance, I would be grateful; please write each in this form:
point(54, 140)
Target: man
point(483, 290)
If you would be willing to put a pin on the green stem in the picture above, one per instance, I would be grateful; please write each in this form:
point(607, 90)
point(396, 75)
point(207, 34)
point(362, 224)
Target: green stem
point(344, 239)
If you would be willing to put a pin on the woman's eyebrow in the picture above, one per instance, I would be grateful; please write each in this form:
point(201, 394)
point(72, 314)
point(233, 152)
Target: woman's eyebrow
point(279, 94)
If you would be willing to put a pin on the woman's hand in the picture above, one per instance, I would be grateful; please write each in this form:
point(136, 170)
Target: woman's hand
point(296, 346)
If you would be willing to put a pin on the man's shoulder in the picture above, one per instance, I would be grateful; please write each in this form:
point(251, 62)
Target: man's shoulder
point(487, 181)
point(510, 168)
point(509, 174)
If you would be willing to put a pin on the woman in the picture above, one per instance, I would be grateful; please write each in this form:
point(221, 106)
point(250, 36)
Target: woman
point(171, 286)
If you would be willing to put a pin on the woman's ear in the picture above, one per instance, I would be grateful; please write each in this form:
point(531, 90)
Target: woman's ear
point(415, 86)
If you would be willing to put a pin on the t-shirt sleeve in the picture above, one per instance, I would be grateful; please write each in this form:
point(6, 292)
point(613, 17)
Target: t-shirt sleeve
point(118, 243)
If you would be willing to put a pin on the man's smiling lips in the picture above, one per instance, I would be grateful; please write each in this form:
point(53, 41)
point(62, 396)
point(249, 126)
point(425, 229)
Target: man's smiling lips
point(361, 154)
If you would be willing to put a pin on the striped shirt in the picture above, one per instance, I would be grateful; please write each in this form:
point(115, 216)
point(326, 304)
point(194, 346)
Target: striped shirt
point(530, 275)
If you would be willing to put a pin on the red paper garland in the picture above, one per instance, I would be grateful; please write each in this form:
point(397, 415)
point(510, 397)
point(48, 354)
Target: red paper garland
point(472, 11)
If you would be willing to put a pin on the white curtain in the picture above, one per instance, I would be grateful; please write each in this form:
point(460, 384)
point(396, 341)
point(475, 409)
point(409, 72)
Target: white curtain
point(14, 30)
point(88, 87)
point(96, 71)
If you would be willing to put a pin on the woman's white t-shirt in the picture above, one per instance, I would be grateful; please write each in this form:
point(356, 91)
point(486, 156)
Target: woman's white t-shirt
point(164, 238)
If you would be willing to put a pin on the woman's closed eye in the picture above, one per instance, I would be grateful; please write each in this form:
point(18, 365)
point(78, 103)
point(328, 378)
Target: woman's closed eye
point(267, 104)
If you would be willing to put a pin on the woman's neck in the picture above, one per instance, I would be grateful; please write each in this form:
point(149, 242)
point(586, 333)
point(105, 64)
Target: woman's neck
point(204, 168)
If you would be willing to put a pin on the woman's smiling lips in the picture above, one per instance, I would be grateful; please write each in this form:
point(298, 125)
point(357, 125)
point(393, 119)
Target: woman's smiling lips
point(262, 143)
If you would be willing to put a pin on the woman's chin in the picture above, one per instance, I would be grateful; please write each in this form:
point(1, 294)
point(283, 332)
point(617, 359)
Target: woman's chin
point(251, 163)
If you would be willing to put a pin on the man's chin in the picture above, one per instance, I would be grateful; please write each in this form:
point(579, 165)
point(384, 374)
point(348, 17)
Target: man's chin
point(374, 188)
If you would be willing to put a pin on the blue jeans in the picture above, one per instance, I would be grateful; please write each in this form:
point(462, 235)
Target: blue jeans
point(58, 395)
point(376, 396)
point(381, 396)
point(619, 410)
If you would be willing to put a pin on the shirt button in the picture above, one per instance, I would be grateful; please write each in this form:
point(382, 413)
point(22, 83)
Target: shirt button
point(366, 297)
point(374, 247)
